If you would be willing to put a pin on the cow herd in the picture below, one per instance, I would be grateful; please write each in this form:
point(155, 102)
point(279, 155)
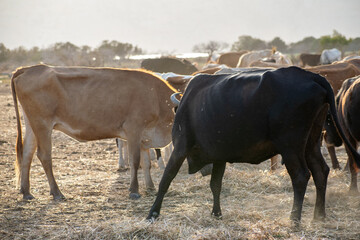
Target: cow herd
point(245, 107)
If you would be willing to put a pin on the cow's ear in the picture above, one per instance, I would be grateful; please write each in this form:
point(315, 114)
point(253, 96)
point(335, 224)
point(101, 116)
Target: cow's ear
point(175, 109)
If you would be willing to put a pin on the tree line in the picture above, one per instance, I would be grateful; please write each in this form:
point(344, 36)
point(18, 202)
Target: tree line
point(109, 53)
point(306, 45)
point(114, 53)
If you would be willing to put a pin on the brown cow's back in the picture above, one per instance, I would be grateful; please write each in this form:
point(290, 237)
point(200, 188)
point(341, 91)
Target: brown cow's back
point(337, 72)
point(230, 59)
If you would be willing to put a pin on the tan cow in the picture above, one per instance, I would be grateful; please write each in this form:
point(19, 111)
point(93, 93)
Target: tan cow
point(264, 64)
point(230, 59)
point(246, 59)
point(90, 104)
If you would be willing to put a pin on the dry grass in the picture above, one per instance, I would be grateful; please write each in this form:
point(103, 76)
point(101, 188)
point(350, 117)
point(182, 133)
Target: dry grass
point(256, 203)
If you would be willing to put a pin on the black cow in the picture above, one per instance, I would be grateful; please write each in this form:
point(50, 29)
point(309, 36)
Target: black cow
point(169, 64)
point(348, 110)
point(250, 117)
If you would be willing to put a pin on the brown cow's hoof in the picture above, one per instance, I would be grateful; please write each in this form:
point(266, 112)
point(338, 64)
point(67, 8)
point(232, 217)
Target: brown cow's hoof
point(151, 189)
point(318, 219)
point(134, 196)
point(59, 197)
point(122, 169)
point(353, 192)
point(28, 197)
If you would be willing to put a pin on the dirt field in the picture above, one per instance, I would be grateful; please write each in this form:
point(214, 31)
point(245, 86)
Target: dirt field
point(256, 203)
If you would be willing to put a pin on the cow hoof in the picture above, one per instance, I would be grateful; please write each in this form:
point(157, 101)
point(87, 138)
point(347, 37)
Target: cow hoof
point(353, 192)
point(151, 190)
point(59, 197)
point(28, 197)
point(122, 169)
point(152, 217)
point(318, 219)
point(134, 196)
point(295, 222)
point(217, 215)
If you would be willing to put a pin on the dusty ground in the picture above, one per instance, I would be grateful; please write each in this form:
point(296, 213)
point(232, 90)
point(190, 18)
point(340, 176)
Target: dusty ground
point(256, 203)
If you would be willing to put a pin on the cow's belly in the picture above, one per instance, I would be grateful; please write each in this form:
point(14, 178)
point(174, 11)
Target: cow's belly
point(155, 137)
point(86, 134)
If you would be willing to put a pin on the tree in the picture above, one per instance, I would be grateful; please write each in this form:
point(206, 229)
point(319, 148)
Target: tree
point(246, 42)
point(279, 44)
point(337, 40)
point(114, 50)
point(19, 55)
point(34, 55)
point(4, 53)
point(306, 45)
point(354, 45)
point(210, 47)
point(66, 52)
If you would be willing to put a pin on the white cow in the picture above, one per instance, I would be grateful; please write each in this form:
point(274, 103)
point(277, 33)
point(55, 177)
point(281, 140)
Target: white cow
point(329, 56)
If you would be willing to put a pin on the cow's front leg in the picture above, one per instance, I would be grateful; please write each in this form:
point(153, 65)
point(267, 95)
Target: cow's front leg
point(171, 169)
point(215, 185)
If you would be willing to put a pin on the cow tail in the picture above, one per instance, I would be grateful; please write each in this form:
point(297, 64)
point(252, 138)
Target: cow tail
point(331, 100)
point(19, 142)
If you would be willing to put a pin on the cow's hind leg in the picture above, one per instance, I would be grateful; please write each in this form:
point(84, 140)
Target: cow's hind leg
point(215, 185)
point(122, 146)
point(334, 160)
point(44, 154)
point(146, 166)
point(159, 158)
point(317, 165)
point(24, 168)
point(353, 168)
point(320, 172)
point(172, 168)
point(299, 173)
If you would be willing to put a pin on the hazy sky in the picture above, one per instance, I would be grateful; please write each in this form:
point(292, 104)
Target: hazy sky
point(171, 25)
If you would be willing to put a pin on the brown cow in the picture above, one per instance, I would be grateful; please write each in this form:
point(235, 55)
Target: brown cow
point(348, 102)
point(90, 104)
point(336, 74)
point(208, 71)
point(230, 59)
point(264, 64)
point(309, 59)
